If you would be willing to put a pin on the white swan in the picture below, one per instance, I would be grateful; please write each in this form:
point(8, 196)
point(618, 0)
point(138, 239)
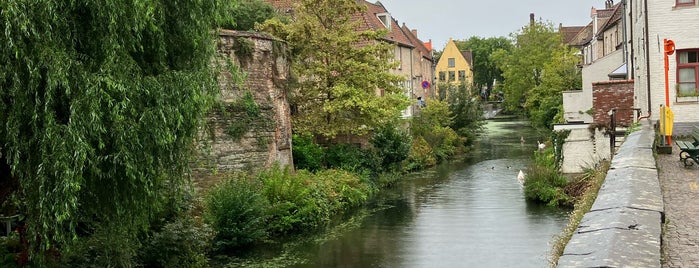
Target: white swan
point(520, 178)
point(541, 145)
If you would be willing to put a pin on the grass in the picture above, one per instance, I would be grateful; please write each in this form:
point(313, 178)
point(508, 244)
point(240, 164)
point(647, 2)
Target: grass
point(595, 177)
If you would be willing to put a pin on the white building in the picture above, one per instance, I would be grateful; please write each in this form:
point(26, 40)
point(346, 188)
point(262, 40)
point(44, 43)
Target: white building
point(649, 22)
point(602, 58)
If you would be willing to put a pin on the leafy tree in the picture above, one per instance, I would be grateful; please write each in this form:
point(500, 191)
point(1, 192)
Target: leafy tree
point(99, 102)
point(392, 145)
point(432, 125)
point(468, 115)
point(436, 114)
point(247, 13)
point(485, 71)
point(536, 71)
point(339, 70)
point(545, 101)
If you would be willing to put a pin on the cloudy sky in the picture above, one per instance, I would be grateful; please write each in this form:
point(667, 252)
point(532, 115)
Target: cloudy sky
point(466, 18)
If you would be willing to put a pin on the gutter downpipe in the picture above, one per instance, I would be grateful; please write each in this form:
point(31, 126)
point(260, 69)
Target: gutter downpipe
point(412, 78)
point(647, 45)
point(631, 54)
point(625, 47)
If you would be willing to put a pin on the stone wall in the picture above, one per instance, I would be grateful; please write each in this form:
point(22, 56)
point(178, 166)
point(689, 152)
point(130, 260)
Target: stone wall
point(236, 138)
point(624, 226)
point(610, 95)
point(585, 147)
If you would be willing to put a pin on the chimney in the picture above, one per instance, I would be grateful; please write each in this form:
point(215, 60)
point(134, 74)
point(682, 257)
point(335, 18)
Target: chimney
point(531, 18)
point(593, 15)
point(414, 32)
point(608, 4)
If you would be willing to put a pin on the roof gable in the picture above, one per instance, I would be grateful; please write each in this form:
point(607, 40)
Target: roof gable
point(452, 51)
point(372, 21)
point(419, 45)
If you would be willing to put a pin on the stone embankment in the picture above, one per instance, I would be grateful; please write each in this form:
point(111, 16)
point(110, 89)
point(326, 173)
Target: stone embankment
point(624, 225)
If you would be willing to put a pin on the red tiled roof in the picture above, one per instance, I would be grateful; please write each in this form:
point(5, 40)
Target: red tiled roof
point(569, 32)
point(395, 34)
point(419, 45)
point(368, 20)
point(614, 18)
point(583, 37)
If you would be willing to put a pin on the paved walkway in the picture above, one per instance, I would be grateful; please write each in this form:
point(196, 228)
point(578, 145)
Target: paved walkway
point(680, 188)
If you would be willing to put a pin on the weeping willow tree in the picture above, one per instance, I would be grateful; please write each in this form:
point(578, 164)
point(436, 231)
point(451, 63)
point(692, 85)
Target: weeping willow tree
point(99, 104)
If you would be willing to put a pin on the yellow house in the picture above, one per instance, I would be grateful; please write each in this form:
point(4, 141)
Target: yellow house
point(454, 68)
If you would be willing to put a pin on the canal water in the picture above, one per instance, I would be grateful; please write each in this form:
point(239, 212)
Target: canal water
point(468, 213)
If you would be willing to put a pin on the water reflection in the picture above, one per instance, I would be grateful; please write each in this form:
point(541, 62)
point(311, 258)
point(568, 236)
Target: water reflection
point(466, 214)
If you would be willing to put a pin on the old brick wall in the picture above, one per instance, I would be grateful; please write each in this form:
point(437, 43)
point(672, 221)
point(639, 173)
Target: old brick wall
point(608, 95)
point(266, 137)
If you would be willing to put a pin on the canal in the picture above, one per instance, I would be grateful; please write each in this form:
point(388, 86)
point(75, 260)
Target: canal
point(467, 213)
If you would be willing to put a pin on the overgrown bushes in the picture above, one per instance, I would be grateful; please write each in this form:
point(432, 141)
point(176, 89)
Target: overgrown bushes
point(237, 211)
point(249, 209)
point(181, 243)
point(390, 146)
point(9, 249)
point(432, 125)
point(543, 182)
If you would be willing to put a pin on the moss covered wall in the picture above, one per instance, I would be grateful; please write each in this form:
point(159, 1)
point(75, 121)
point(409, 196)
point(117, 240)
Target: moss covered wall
point(250, 127)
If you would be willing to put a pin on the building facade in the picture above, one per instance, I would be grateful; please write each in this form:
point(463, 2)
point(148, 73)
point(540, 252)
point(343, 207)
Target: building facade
point(454, 68)
point(648, 24)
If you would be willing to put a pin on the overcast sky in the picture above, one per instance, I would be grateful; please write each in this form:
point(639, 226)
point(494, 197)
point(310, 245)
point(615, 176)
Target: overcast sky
point(460, 19)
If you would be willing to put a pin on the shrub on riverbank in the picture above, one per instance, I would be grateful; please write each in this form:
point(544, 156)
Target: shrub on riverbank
point(543, 182)
point(237, 211)
point(431, 125)
point(390, 145)
point(181, 243)
point(249, 209)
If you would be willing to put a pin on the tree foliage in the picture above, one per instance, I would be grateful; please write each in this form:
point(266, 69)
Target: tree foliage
point(485, 71)
point(99, 102)
point(545, 102)
point(339, 70)
point(467, 112)
point(536, 71)
point(245, 14)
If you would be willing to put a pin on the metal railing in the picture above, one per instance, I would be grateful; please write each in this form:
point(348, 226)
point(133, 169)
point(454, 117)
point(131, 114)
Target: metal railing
point(613, 133)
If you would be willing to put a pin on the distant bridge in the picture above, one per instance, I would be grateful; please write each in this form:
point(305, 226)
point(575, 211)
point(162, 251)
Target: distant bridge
point(491, 109)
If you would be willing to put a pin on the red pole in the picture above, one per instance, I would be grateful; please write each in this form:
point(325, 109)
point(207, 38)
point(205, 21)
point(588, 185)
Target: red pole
point(669, 50)
point(667, 85)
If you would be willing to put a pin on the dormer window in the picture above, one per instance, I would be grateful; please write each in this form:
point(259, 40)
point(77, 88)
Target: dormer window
point(385, 19)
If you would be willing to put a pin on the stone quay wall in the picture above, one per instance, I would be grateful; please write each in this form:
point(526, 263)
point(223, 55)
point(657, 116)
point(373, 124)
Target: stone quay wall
point(624, 226)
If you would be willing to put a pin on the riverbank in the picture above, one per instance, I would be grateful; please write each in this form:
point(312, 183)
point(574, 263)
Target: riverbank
point(457, 214)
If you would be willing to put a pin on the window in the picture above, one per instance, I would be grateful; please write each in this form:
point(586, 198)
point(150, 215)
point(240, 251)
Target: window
point(400, 57)
point(452, 76)
point(442, 76)
point(684, 2)
point(462, 75)
point(385, 19)
point(452, 62)
point(688, 71)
